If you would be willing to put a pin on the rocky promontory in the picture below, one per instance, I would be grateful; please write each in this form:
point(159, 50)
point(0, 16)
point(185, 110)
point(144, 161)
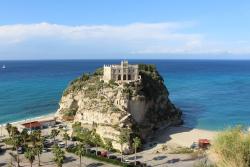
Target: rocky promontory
point(140, 106)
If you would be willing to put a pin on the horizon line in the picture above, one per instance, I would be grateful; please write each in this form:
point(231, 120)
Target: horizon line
point(206, 59)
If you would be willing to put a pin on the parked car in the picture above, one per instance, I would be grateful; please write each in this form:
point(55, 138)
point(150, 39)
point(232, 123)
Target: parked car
point(99, 153)
point(61, 145)
point(104, 153)
point(112, 157)
point(92, 151)
point(45, 150)
point(138, 163)
point(118, 158)
point(70, 146)
point(20, 150)
point(60, 126)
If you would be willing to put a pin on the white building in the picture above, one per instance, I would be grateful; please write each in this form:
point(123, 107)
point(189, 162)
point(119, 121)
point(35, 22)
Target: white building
point(123, 72)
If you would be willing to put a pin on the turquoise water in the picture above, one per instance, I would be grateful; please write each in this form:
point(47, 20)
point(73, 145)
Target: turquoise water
point(212, 94)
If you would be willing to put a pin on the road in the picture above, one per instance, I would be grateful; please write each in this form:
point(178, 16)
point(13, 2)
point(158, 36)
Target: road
point(47, 160)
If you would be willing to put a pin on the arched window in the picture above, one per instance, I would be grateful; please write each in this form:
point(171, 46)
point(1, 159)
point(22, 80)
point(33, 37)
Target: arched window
point(129, 77)
point(124, 77)
point(119, 77)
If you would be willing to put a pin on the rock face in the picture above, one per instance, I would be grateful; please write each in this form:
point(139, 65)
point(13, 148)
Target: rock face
point(140, 107)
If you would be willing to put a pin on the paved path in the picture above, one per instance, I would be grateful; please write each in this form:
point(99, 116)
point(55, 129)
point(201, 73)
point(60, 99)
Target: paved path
point(46, 160)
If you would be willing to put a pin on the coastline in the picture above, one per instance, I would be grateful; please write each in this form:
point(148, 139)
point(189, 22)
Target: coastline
point(174, 136)
point(180, 136)
point(18, 123)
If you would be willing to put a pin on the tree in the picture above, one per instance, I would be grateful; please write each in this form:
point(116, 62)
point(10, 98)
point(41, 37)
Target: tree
point(77, 128)
point(30, 155)
point(38, 151)
point(35, 136)
point(123, 138)
point(24, 135)
point(66, 138)
point(59, 155)
point(14, 131)
point(16, 141)
point(54, 133)
point(108, 144)
point(80, 152)
point(96, 139)
point(8, 128)
point(136, 144)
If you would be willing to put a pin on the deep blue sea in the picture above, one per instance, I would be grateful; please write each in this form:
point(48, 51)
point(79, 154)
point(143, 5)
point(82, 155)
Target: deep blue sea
point(212, 94)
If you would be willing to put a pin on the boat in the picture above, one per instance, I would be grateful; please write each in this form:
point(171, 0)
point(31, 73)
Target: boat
point(3, 67)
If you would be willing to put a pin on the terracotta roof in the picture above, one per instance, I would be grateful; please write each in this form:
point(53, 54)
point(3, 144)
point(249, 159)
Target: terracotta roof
point(34, 124)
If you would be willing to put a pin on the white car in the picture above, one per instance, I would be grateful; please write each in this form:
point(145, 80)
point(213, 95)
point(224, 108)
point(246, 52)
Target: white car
point(61, 145)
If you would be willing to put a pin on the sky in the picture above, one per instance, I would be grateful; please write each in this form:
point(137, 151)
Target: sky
point(113, 29)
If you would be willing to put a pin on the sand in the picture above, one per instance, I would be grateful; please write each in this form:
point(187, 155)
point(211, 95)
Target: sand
point(180, 136)
point(4, 133)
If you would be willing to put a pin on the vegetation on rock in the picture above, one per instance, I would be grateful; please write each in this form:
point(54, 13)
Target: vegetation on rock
point(148, 96)
point(232, 147)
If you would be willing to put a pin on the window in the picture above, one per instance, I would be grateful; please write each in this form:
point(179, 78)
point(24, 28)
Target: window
point(124, 77)
point(129, 77)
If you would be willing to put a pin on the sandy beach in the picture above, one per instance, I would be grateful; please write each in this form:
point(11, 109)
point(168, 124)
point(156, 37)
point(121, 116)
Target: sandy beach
point(178, 135)
point(186, 136)
point(3, 131)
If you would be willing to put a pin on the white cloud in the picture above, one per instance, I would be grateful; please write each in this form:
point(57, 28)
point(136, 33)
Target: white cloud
point(138, 38)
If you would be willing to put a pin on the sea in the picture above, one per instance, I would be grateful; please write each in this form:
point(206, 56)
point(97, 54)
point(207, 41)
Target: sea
point(213, 94)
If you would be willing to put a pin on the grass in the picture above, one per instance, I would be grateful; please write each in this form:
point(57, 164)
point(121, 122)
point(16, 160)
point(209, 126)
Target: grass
point(181, 150)
point(233, 148)
point(203, 163)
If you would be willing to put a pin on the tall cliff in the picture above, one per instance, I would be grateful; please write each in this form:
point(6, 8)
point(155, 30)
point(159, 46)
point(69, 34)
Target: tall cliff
point(140, 106)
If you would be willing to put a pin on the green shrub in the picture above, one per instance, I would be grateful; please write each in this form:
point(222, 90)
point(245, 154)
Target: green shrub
point(98, 71)
point(112, 83)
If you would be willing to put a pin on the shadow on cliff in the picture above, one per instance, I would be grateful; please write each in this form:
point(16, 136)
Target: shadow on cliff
point(162, 136)
point(191, 114)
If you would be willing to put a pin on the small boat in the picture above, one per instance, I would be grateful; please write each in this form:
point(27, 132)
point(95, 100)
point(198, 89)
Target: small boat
point(3, 67)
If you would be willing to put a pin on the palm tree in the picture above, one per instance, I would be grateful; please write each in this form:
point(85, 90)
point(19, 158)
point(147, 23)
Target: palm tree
point(8, 128)
point(16, 141)
point(14, 131)
point(24, 135)
point(54, 133)
point(59, 155)
point(35, 136)
point(30, 155)
point(95, 138)
point(123, 138)
point(80, 152)
point(136, 144)
point(66, 138)
point(38, 151)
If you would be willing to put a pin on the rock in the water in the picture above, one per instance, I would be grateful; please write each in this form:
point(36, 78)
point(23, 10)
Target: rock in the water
point(140, 106)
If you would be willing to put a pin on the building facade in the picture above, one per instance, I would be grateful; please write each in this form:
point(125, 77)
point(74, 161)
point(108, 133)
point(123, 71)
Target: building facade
point(123, 72)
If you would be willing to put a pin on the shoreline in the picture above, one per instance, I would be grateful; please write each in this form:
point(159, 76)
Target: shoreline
point(181, 136)
point(3, 131)
point(30, 119)
point(174, 135)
